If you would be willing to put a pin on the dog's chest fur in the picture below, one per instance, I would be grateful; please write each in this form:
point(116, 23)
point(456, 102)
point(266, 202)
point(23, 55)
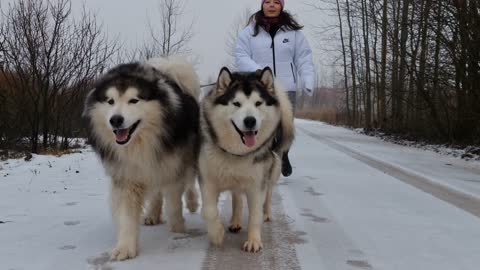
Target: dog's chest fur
point(147, 168)
point(228, 171)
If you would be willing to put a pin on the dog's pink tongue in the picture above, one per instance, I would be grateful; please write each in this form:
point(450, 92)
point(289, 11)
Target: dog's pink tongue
point(121, 135)
point(249, 138)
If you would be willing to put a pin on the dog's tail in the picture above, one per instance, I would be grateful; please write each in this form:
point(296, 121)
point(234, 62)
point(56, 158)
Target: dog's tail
point(181, 71)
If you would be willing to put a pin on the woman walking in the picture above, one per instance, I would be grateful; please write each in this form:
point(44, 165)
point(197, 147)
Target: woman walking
point(274, 38)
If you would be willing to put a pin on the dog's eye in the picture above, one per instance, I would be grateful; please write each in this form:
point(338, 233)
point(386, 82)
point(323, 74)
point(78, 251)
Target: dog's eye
point(258, 103)
point(111, 101)
point(236, 104)
point(133, 101)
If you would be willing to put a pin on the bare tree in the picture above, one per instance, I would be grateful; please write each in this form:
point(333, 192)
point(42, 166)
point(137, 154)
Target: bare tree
point(352, 65)
point(237, 25)
point(398, 118)
point(365, 33)
point(168, 33)
point(427, 74)
point(383, 77)
point(47, 52)
point(344, 56)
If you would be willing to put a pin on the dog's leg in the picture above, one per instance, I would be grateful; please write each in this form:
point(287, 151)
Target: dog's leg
point(273, 175)
point(126, 209)
point(255, 199)
point(215, 229)
point(237, 205)
point(267, 206)
point(153, 215)
point(191, 195)
point(173, 195)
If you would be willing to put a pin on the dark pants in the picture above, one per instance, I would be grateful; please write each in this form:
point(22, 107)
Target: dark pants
point(286, 166)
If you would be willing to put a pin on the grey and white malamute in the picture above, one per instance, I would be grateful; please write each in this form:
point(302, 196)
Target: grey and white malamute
point(144, 124)
point(246, 123)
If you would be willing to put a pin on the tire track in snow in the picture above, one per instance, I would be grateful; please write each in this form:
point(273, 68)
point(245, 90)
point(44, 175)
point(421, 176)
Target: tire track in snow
point(278, 243)
point(456, 198)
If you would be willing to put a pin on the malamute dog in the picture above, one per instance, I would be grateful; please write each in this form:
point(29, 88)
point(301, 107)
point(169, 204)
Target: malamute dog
point(246, 123)
point(144, 124)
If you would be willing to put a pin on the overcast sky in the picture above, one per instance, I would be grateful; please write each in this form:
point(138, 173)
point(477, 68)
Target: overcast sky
point(212, 22)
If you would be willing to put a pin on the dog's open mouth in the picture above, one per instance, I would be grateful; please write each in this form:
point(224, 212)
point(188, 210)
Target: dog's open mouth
point(122, 136)
point(248, 137)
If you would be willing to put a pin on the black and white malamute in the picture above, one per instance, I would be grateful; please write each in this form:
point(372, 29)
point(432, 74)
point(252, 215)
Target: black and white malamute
point(246, 123)
point(144, 124)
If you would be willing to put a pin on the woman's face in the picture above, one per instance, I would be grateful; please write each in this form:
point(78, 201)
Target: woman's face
point(272, 8)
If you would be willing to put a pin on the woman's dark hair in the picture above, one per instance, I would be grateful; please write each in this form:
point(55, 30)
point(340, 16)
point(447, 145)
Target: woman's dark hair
point(284, 19)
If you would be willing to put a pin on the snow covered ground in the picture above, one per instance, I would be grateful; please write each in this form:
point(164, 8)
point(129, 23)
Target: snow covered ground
point(353, 202)
point(471, 152)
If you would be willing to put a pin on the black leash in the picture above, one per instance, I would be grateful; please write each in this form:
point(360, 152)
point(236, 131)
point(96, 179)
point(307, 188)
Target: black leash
point(205, 85)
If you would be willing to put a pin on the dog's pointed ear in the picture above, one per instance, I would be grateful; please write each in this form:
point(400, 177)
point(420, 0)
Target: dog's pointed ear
point(266, 77)
point(224, 80)
point(258, 72)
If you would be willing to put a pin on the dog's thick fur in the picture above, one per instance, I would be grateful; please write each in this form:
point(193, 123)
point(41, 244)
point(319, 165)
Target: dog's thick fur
point(144, 124)
point(246, 123)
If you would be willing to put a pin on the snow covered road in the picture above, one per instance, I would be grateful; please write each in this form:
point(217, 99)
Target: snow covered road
point(353, 202)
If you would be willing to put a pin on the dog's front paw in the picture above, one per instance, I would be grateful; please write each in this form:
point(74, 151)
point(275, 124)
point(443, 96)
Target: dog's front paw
point(192, 206)
point(234, 227)
point(151, 220)
point(178, 227)
point(267, 217)
point(121, 253)
point(216, 232)
point(252, 245)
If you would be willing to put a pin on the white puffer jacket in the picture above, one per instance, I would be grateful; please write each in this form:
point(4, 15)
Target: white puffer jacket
point(287, 54)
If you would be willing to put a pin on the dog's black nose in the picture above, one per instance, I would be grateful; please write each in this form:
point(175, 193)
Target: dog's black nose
point(250, 122)
point(116, 121)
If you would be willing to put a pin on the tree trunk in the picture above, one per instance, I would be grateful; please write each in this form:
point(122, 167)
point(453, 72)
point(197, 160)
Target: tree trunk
point(382, 117)
point(421, 93)
point(403, 61)
point(395, 59)
point(368, 98)
point(344, 54)
point(352, 63)
point(376, 100)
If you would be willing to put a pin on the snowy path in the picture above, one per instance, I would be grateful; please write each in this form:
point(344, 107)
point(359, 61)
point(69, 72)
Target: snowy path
point(350, 204)
point(441, 191)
